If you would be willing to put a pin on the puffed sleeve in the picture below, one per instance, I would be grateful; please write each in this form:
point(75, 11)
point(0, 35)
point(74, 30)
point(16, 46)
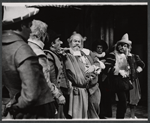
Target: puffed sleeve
point(30, 72)
point(54, 86)
point(46, 68)
point(53, 77)
point(139, 62)
point(95, 59)
point(109, 63)
point(97, 64)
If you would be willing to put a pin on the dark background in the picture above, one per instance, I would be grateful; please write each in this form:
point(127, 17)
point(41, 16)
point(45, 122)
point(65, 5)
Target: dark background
point(107, 22)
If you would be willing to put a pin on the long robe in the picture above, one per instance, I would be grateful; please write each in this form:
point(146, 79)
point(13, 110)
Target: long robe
point(83, 87)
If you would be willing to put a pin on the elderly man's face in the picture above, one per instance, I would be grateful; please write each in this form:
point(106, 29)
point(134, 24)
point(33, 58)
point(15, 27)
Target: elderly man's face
point(76, 43)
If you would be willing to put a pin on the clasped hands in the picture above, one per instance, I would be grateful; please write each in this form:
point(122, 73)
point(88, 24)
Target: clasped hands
point(89, 69)
point(61, 100)
point(123, 73)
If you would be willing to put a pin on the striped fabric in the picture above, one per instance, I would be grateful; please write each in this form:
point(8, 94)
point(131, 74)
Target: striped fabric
point(110, 62)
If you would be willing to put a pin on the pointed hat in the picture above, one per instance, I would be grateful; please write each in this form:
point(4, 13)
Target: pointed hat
point(125, 39)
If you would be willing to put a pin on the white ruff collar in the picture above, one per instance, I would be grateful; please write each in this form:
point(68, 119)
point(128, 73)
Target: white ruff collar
point(37, 42)
point(129, 54)
point(78, 53)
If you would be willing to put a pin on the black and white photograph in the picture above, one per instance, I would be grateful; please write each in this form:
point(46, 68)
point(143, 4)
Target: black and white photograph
point(74, 61)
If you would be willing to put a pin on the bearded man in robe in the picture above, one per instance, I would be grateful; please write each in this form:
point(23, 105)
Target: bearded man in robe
point(82, 68)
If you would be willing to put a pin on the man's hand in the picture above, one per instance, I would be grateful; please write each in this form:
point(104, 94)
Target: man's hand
point(103, 54)
point(139, 69)
point(61, 100)
point(89, 69)
point(123, 73)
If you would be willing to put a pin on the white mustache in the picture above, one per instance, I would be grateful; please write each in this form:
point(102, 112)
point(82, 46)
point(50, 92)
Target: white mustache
point(77, 46)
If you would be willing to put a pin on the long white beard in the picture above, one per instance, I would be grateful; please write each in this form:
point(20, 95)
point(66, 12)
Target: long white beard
point(121, 63)
point(76, 48)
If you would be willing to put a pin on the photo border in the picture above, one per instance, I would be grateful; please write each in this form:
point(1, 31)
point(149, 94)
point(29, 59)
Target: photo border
point(62, 1)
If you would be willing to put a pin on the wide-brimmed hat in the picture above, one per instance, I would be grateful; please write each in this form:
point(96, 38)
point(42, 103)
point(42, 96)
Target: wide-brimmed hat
point(53, 35)
point(102, 43)
point(125, 39)
point(14, 14)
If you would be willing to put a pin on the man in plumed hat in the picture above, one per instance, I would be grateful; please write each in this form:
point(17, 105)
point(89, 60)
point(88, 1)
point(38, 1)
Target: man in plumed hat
point(29, 94)
point(118, 70)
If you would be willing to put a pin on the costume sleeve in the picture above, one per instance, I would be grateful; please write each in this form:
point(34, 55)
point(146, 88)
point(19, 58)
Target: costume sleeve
point(95, 59)
point(139, 62)
point(98, 65)
point(54, 87)
point(31, 75)
point(46, 68)
point(53, 73)
point(109, 63)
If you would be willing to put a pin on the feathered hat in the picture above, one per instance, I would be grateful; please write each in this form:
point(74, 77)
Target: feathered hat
point(14, 14)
